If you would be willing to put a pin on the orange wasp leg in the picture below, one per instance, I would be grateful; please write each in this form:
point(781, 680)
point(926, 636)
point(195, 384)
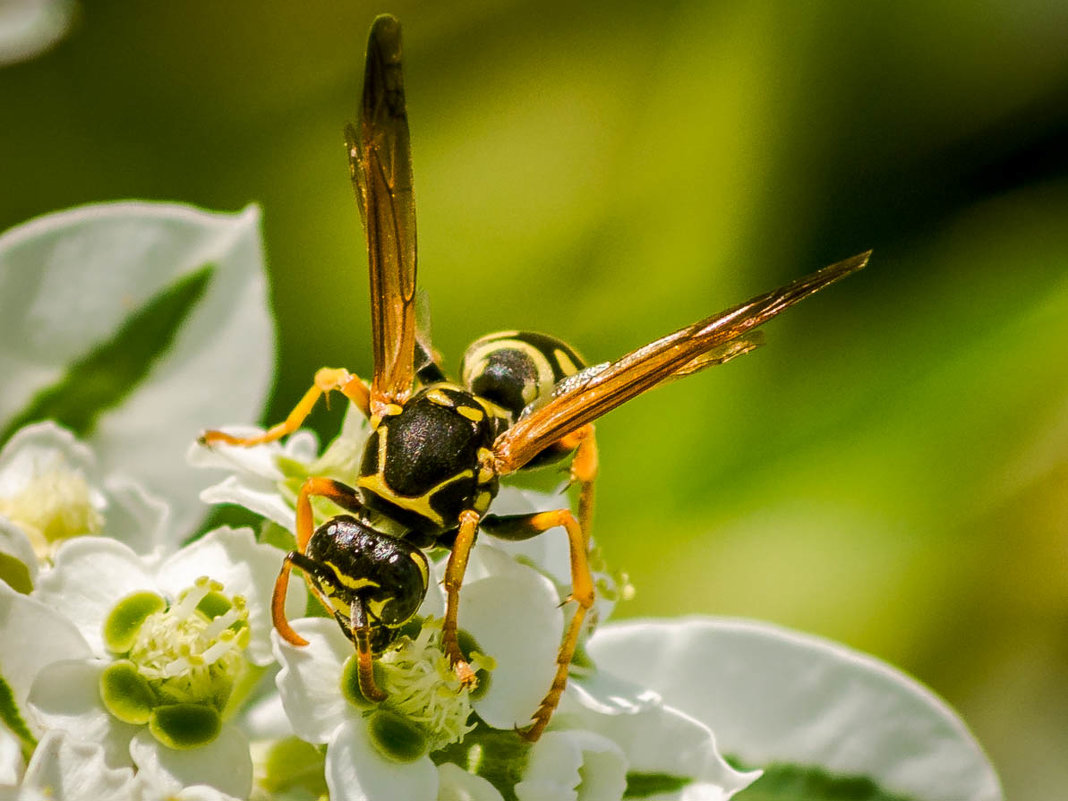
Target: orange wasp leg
point(327, 380)
point(518, 527)
point(454, 579)
point(584, 467)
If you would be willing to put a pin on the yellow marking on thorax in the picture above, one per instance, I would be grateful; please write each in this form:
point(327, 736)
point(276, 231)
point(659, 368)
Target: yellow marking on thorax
point(421, 505)
point(440, 398)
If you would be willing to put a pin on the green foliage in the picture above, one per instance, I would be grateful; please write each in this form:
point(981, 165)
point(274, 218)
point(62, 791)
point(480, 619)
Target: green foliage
point(797, 783)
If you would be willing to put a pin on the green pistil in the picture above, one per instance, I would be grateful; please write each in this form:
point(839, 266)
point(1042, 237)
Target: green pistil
point(181, 662)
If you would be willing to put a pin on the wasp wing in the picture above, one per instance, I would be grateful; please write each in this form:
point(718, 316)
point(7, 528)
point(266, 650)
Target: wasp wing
point(381, 166)
point(710, 341)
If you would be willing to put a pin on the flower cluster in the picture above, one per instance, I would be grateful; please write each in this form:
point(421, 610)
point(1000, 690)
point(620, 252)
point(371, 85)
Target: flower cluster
point(139, 661)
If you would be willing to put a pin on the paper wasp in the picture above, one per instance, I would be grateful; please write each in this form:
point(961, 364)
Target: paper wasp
point(431, 466)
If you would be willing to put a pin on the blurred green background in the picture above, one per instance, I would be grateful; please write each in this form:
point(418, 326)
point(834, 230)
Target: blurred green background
point(891, 471)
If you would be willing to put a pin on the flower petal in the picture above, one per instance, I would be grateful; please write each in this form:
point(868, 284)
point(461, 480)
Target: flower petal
point(244, 567)
point(456, 784)
point(72, 280)
point(567, 765)
point(662, 741)
point(355, 771)
point(31, 27)
point(90, 575)
point(310, 679)
point(66, 696)
point(33, 635)
point(16, 545)
point(137, 518)
point(66, 769)
point(11, 764)
point(515, 617)
point(261, 499)
point(224, 764)
point(773, 695)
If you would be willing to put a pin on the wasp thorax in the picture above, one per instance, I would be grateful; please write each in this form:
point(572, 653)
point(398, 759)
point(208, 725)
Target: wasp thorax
point(517, 369)
point(388, 575)
point(431, 460)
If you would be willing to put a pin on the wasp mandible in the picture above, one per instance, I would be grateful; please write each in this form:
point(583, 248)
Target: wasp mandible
point(437, 450)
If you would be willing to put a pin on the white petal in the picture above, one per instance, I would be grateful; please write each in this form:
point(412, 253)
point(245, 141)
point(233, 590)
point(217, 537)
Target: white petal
point(66, 696)
point(30, 27)
point(71, 281)
point(265, 718)
point(515, 617)
point(224, 764)
point(244, 567)
point(11, 764)
point(66, 769)
point(90, 575)
point(32, 636)
point(15, 543)
point(40, 446)
point(137, 518)
point(573, 765)
point(456, 784)
point(258, 460)
point(200, 792)
point(661, 740)
point(310, 679)
point(549, 550)
point(607, 694)
point(256, 497)
point(776, 695)
point(355, 771)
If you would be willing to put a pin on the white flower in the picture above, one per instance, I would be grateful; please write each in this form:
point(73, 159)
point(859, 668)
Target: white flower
point(120, 319)
point(513, 616)
point(266, 478)
point(161, 656)
point(513, 613)
point(775, 696)
point(51, 490)
point(65, 769)
point(31, 27)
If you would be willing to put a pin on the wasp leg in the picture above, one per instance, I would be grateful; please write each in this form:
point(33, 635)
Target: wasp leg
point(327, 380)
point(584, 467)
point(278, 601)
point(519, 527)
point(454, 579)
point(345, 497)
point(365, 666)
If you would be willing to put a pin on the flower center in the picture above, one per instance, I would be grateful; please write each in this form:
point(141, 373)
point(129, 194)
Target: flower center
point(425, 701)
point(180, 663)
point(54, 505)
point(193, 651)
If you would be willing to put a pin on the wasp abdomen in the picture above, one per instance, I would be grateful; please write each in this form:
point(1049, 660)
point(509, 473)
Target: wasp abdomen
point(517, 369)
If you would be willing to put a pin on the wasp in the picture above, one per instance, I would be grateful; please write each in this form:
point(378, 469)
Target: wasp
point(438, 449)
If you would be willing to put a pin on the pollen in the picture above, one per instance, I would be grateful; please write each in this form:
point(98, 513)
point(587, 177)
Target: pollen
point(55, 504)
point(422, 686)
point(193, 651)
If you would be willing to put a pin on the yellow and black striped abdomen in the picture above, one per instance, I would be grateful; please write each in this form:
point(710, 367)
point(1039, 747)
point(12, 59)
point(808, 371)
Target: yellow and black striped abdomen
point(517, 369)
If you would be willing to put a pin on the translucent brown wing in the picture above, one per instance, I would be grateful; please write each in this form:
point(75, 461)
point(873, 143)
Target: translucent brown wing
point(689, 349)
point(381, 166)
